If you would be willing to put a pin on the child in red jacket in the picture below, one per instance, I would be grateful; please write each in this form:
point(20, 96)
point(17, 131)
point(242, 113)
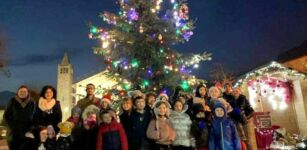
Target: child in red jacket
point(111, 134)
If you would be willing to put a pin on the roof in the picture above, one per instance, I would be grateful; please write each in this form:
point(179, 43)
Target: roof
point(293, 53)
point(65, 60)
point(270, 68)
point(91, 76)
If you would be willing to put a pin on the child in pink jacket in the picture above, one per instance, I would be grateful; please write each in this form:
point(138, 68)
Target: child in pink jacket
point(160, 129)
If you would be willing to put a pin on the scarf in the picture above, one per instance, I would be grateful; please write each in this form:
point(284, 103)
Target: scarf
point(45, 105)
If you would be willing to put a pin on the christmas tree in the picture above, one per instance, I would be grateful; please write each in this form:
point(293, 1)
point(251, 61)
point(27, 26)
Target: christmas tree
point(138, 43)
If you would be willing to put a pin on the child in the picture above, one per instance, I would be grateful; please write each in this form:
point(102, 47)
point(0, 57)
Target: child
point(150, 100)
point(200, 126)
point(215, 97)
point(160, 128)
point(85, 136)
point(140, 118)
point(64, 142)
point(105, 103)
point(51, 136)
point(182, 125)
point(223, 135)
point(125, 116)
point(36, 140)
point(111, 134)
point(75, 117)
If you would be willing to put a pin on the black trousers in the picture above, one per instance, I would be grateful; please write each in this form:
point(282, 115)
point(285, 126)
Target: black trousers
point(163, 147)
point(15, 143)
point(182, 148)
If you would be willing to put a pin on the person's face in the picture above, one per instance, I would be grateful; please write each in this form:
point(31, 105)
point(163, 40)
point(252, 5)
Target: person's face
point(219, 112)
point(162, 109)
point(140, 104)
point(91, 114)
point(75, 115)
point(151, 100)
point(202, 91)
point(127, 105)
point(43, 135)
point(178, 107)
point(49, 94)
point(104, 105)
point(236, 92)
point(228, 89)
point(90, 90)
point(107, 118)
point(215, 93)
point(51, 135)
point(200, 115)
point(23, 93)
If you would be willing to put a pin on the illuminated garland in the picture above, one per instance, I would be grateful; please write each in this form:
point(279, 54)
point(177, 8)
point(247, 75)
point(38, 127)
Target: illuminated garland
point(272, 68)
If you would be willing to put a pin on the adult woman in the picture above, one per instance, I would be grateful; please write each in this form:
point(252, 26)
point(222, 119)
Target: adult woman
point(19, 117)
point(201, 91)
point(48, 110)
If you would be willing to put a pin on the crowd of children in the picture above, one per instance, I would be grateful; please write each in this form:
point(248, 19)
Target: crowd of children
point(208, 120)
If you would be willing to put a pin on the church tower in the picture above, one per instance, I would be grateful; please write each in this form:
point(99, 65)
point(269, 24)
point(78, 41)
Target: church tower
point(64, 86)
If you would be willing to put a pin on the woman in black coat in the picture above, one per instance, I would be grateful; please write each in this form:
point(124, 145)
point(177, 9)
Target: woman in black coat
point(48, 111)
point(19, 117)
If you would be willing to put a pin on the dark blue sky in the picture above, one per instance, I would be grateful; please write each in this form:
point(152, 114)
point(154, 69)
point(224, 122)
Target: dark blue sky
point(241, 34)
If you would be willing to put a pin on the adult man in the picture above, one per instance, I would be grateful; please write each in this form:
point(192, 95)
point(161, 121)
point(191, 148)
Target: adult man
point(90, 98)
point(227, 95)
point(242, 111)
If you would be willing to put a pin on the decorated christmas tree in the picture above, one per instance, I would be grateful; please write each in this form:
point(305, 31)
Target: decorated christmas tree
point(137, 45)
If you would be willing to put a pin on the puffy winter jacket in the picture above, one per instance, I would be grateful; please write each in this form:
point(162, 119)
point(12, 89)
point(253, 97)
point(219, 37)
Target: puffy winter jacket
point(112, 137)
point(223, 135)
point(182, 125)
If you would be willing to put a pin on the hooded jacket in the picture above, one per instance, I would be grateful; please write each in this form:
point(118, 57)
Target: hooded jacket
point(112, 137)
point(161, 131)
point(223, 134)
point(182, 125)
point(221, 100)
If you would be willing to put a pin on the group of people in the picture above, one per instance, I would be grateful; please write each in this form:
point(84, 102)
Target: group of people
point(211, 119)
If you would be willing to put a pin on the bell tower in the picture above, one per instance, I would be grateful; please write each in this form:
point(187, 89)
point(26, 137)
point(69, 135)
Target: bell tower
point(64, 86)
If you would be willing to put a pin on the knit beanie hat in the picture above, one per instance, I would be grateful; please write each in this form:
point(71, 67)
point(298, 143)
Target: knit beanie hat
point(76, 110)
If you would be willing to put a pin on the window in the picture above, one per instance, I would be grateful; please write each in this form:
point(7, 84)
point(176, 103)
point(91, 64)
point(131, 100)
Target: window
point(63, 70)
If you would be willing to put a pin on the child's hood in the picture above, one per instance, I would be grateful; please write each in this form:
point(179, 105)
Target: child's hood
point(156, 109)
point(220, 105)
point(90, 108)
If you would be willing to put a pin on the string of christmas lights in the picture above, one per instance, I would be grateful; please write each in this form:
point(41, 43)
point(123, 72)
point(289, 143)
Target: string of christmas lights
point(138, 44)
point(272, 68)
